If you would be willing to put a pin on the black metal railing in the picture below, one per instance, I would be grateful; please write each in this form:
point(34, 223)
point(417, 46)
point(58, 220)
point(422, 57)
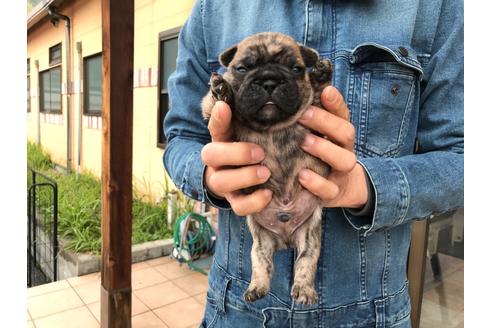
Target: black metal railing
point(42, 228)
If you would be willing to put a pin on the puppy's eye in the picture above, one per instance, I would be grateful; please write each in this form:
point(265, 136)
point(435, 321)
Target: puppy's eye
point(241, 69)
point(297, 69)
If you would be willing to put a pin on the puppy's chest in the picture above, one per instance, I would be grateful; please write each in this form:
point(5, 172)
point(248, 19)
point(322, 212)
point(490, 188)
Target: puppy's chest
point(283, 153)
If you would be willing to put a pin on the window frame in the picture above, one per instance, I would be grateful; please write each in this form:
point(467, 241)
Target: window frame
point(41, 91)
point(56, 61)
point(163, 36)
point(84, 87)
point(52, 65)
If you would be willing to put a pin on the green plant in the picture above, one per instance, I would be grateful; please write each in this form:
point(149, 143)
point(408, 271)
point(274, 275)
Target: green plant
point(149, 222)
point(80, 212)
point(79, 207)
point(37, 158)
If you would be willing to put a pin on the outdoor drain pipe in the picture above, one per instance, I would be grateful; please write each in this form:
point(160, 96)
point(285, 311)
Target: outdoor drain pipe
point(38, 116)
point(54, 14)
point(78, 47)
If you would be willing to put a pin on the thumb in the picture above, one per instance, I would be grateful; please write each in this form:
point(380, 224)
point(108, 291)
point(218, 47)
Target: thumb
point(219, 124)
point(332, 101)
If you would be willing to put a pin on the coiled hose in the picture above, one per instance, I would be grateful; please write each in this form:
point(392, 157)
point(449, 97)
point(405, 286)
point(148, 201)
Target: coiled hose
point(192, 237)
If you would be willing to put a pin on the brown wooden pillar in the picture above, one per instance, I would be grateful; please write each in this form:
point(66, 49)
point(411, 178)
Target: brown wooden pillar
point(416, 268)
point(117, 120)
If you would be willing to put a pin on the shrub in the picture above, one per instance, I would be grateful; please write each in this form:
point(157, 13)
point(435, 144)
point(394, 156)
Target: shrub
point(79, 207)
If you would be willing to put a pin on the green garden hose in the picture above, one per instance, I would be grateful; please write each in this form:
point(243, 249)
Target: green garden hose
point(192, 237)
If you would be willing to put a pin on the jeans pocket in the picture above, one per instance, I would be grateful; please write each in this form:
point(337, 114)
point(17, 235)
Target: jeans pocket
point(211, 314)
point(383, 85)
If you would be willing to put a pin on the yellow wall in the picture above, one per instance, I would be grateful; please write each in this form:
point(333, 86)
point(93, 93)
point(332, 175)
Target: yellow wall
point(53, 136)
point(151, 18)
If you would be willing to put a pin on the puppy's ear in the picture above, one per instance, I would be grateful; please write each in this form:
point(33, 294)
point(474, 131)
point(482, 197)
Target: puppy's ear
point(226, 57)
point(309, 55)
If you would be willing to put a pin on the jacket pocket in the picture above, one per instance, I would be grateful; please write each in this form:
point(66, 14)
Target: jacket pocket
point(383, 84)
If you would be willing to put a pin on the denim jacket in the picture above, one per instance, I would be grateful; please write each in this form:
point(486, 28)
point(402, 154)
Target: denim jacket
point(399, 66)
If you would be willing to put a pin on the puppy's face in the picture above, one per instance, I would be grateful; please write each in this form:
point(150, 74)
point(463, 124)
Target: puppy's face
point(268, 73)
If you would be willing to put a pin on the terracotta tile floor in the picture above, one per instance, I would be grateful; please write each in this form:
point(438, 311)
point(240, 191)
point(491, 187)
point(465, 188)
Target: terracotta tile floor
point(443, 301)
point(164, 295)
point(167, 295)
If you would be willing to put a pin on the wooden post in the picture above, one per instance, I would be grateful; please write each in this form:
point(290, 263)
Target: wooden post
point(117, 120)
point(416, 268)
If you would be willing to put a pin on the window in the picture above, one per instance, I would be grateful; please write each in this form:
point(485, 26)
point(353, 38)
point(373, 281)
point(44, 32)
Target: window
point(55, 54)
point(28, 86)
point(93, 85)
point(168, 51)
point(50, 83)
point(50, 86)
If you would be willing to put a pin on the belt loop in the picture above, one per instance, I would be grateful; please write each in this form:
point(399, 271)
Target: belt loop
point(380, 313)
point(222, 297)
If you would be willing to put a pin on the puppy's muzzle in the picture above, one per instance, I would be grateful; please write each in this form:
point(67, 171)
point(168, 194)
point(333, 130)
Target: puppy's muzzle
point(283, 216)
point(269, 86)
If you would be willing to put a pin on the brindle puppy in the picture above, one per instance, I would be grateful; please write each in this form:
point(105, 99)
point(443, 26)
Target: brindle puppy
point(268, 87)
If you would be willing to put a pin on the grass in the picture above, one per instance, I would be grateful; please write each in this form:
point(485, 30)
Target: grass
point(79, 207)
point(38, 158)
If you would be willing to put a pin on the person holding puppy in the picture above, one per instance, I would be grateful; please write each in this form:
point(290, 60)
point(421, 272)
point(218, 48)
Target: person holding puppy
point(390, 128)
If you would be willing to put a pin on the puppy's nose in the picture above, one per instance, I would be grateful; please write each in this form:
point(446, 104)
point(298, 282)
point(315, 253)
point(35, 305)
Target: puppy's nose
point(269, 85)
point(283, 216)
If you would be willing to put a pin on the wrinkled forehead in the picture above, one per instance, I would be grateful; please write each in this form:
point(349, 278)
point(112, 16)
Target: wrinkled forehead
point(268, 48)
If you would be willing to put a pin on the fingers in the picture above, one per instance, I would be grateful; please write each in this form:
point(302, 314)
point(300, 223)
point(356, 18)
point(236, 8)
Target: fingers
point(332, 101)
point(217, 154)
point(224, 181)
point(219, 124)
point(340, 159)
point(337, 129)
point(248, 204)
point(321, 187)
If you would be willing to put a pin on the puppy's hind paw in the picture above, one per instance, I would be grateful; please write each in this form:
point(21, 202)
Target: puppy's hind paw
point(306, 295)
point(255, 293)
point(220, 88)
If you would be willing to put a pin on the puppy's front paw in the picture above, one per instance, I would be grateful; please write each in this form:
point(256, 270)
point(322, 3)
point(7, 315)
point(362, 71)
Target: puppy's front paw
point(220, 88)
point(322, 71)
point(304, 294)
point(255, 293)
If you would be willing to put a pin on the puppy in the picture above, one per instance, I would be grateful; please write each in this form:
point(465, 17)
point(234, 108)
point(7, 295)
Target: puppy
point(270, 81)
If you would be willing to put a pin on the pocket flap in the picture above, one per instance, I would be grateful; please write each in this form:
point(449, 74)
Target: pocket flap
point(371, 52)
point(215, 66)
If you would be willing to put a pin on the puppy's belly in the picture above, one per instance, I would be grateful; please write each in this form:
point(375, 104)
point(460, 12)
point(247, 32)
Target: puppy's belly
point(299, 211)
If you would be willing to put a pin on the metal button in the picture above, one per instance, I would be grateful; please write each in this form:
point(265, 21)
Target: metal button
point(403, 51)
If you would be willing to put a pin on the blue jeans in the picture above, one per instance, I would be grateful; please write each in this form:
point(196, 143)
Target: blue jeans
point(226, 308)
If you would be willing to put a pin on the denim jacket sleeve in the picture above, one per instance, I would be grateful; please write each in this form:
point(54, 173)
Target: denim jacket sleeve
point(184, 128)
point(431, 181)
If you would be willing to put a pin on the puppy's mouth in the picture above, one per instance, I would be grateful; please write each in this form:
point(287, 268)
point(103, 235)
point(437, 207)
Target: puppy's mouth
point(268, 111)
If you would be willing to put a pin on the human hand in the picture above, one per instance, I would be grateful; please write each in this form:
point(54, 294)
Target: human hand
point(231, 166)
point(346, 184)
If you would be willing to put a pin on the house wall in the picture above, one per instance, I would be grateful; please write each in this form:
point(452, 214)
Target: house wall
point(51, 128)
point(151, 18)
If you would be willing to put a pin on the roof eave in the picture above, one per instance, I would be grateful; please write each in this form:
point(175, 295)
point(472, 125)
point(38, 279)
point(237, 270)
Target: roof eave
point(40, 11)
